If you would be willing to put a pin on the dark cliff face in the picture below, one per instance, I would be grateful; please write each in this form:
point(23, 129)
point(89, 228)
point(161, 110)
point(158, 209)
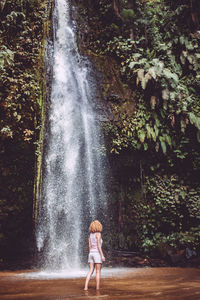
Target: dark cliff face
point(147, 83)
point(23, 32)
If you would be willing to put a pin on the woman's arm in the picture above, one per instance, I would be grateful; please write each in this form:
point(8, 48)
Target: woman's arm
point(98, 236)
point(89, 245)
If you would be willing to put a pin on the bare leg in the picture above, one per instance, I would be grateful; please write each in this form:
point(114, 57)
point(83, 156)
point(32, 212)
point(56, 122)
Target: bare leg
point(98, 275)
point(91, 270)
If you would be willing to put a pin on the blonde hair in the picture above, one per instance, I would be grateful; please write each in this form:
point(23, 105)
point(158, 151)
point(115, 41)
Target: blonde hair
point(95, 226)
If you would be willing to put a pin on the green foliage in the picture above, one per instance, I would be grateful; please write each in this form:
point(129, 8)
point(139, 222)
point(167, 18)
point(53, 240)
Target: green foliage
point(170, 214)
point(20, 32)
point(160, 80)
point(161, 63)
point(128, 15)
point(142, 130)
point(6, 57)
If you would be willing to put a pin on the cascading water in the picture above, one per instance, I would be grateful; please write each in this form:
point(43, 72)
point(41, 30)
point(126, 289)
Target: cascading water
point(73, 188)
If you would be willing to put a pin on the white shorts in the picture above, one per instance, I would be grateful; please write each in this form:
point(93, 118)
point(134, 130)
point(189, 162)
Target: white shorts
point(94, 257)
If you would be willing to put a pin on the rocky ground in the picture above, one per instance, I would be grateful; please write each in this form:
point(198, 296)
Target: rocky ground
point(134, 259)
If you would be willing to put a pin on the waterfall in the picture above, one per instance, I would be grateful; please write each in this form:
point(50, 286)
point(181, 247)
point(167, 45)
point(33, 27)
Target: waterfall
point(73, 184)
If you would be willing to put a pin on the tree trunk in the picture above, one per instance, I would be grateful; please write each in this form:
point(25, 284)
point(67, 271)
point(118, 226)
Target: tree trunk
point(132, 34)
point(195, 8)
point(116, 7)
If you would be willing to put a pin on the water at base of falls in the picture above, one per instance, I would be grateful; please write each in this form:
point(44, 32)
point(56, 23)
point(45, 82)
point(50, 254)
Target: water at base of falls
point(73, 184)
point(77, 273)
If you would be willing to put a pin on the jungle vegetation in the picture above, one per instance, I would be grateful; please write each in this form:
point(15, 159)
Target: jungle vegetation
point(153, 143)
point(23, 28)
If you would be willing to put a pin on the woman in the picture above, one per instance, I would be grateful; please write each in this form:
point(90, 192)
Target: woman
point(96, 256)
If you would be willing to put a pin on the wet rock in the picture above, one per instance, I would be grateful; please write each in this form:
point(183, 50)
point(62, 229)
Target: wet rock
point(135, 259)
point(189, 253)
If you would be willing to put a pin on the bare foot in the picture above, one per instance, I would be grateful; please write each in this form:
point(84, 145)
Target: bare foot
point(98, 293)
point(86, 292)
